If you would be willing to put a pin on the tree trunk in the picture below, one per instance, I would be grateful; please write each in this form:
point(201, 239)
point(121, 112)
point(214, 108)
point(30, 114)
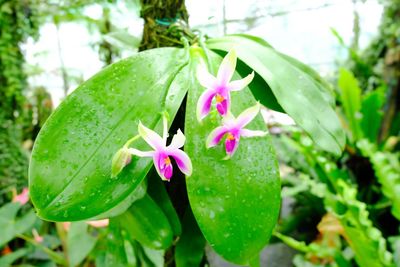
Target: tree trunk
point(160, 20)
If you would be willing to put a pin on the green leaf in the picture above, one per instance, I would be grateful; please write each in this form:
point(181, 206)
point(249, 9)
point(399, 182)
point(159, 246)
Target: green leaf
point(350, 95)
point(121, 207)
point(70, 169)
point(302, 96)
point(151, 257)
point(116, 249)
point(158, 193)
point(235, 202)
point(7, 260)
point(189, 250)
point(372, 114)
point(146, 223)
point(80, 243)
point(11, 225)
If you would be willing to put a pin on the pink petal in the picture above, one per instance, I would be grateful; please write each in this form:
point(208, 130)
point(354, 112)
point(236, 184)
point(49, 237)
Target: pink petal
point(182, 160)
point(151, 137)
point(66, 226)
point(36, 236)
point(205, 78)
point(99, 223)
point(227, 68)
point(204, 104)
point(23, 197)
point(252, 133)
point(215, 136)
point(240, 84)
point(231, 144)
point(247, 116)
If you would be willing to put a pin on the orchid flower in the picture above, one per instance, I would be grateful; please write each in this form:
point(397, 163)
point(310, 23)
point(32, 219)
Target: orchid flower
point(38, 238)
point(99, 223)
point(162, 153)
point(23, 197)
point(233, 128)
point(219, 87)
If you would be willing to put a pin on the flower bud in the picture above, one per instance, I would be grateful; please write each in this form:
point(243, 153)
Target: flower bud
point(120, 160)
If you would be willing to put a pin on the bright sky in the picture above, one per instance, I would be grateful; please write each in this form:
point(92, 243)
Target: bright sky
point(298, 28)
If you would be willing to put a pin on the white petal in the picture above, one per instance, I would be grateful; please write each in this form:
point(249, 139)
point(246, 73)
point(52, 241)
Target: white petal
point(252, 133)
point(240, 84)
point(248, 115)
point(227, 68)
point(151, 137)
point(141, 154)
point(204, 77)
point(178, 140)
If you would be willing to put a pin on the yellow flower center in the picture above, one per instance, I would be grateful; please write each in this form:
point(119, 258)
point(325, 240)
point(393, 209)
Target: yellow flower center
point(230, 137)
point(219, 98)
point(167, 161)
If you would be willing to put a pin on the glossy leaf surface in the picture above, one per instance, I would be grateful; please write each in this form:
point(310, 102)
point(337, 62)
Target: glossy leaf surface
point(70, 170)
point(235, 202)
point(300, 95)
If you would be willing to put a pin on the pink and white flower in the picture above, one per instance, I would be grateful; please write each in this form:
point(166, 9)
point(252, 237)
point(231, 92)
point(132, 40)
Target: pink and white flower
point(219, 87)
point(23, 197)
point(162, 153)
point(99, 223)
point(233, 129)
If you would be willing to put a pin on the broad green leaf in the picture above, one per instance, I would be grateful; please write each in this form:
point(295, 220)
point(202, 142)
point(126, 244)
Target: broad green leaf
point(11, 225)
point(158, 193)
point(235, 202)
point(350, 95)
point(372, 114)
point(300, 95)
point(189, 250)
point(70, 169)
point(145, 222)
point(80, 243)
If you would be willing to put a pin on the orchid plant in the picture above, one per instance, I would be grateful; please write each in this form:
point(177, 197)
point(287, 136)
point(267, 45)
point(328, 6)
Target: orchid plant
point(92, 125)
